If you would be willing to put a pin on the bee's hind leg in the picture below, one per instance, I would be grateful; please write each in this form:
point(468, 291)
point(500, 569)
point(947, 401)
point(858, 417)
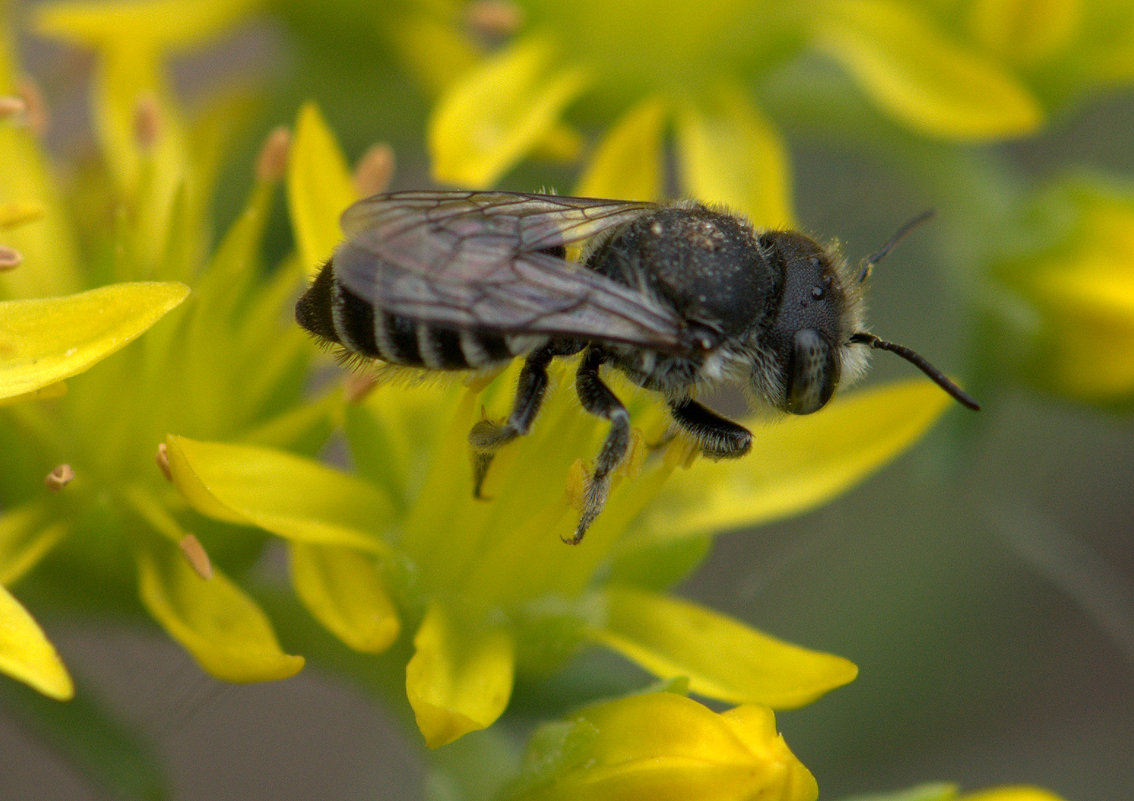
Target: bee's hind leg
point(597, 399)
point(486, 437)
point(719, 437)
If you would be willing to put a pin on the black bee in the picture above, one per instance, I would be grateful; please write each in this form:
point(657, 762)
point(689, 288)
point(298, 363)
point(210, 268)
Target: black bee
point(680, 297)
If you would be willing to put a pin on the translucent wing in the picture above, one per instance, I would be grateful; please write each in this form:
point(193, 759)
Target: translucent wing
point(482, 260)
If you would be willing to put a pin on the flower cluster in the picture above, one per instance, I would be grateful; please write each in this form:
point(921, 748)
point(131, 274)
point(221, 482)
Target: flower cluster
point(224, 362)
point(488, 585)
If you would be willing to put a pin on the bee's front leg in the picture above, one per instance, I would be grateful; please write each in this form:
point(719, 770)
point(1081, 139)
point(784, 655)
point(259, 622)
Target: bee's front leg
point(597, 399)
point(719, 437)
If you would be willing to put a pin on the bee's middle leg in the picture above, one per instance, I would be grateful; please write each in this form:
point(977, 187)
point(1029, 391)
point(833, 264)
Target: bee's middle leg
point(719, 437)
point(486, 437)
point(597, 399)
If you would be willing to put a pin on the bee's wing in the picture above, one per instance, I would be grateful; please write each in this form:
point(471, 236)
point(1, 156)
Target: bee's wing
point(480, 259)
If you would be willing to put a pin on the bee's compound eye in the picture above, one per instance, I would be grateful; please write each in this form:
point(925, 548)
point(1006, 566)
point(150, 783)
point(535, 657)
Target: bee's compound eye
point(813, 373)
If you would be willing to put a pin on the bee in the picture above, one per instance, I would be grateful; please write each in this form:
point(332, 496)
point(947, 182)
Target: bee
point(680, 297)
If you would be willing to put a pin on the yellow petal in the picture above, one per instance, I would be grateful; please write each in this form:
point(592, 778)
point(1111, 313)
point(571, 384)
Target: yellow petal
point(224, 629)
point(562, 143)
point(434, 50)
point(729, 153)
point(491, 118)
point(628, 161)
point(291, 496)
point(319, 187)
point(1089, 308)
point(722, 658)
point(798, 463)
point(56, 390)
point(460, 677)
point(1013, 793)
point(1025, 31)
point(27, 533)
point(51, 263)
point(13, 215)
point(1072, 331)
point(43, 341)
point(665, 747)
point(921, 77)
point(27, 655)
point(159, 24)
point(129, 87)
point(343, 590)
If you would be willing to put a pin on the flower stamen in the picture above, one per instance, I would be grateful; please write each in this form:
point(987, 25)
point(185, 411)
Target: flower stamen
point(59, 478)
point(494, 19)
point(196, 555)
point(35, 114)
point(161, 458)
point(271, 164)
point(10, 259)
point(375, 169)
point(147, 123)
point(10, 106)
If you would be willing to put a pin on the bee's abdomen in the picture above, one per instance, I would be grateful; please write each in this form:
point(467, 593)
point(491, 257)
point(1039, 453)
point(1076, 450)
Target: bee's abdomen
point(336, 314)
point(401, 340)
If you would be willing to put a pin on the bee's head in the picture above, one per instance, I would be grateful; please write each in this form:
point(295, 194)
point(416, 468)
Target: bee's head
point(818, 328)
point(811, 329)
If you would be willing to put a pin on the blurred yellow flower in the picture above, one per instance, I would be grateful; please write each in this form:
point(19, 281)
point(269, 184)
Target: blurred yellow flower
point(1064, 299)
point(911, 67)
point(971, 72)
point(1011, 793)
point(513, 103)
point(662, 746)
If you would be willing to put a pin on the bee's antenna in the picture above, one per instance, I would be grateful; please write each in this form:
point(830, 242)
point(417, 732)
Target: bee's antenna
point(892, 242)
point(916, 359)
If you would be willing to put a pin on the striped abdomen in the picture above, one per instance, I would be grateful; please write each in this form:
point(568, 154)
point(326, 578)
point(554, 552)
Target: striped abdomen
point(333, 313)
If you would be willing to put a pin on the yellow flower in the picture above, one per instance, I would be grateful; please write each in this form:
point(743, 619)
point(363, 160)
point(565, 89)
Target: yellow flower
point(978, 70)
point(909, 64)
point(42, 342)
point(487, 586)
point(134, 103)
point(513, 103)
point(1011, 793)
point(1063, 304)
point(966, 72)
point(948, 792)
point(662, 746)
point(969, 72)
point(226, 364)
